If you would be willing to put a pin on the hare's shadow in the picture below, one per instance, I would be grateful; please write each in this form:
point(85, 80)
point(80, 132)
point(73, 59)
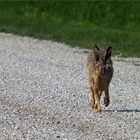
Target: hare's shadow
point(123, 110)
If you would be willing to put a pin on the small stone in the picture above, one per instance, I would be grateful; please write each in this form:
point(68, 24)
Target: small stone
point(58, 136)
point(58, 122)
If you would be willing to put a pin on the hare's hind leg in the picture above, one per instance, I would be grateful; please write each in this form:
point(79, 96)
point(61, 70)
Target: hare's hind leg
point(106, 98)
point(91, 96)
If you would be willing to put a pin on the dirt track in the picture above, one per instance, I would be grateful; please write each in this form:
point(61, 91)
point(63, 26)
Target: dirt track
point(43, 94)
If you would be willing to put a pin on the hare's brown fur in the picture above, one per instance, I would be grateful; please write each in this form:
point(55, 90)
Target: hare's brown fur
point(100, 72)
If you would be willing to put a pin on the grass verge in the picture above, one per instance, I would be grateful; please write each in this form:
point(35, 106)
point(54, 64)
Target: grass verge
point(27, 19)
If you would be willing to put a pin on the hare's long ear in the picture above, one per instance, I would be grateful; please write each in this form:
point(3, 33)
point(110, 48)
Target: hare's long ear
point(96, 52)
point(108, 53)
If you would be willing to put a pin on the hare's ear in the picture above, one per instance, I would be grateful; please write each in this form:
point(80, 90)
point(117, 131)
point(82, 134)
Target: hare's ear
point(108, 53)
point(96, 52)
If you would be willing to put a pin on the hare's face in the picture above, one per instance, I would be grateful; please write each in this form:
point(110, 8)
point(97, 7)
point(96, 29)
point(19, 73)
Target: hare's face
point(99, 70)
point(101, 57)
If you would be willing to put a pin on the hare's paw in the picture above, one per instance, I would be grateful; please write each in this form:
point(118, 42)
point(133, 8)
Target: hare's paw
point(91, 102)
point(97, 108)
point(106, 101)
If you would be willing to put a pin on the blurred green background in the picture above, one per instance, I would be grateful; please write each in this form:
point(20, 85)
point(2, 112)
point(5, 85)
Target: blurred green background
point(77, 23)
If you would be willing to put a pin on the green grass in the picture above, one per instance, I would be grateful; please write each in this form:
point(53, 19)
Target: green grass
point(79, 23)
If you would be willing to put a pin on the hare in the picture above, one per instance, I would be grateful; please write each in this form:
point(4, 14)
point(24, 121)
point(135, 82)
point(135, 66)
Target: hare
point(100, 72)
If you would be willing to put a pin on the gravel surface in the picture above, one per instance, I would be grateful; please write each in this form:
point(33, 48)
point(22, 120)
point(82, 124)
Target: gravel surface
point(43, 94)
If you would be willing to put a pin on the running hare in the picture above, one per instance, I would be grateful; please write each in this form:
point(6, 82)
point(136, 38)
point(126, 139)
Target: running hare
point(100, 72)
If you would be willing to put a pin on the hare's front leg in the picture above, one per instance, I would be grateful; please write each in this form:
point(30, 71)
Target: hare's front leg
point(106, 98)
point(91, 96)
point(97, 106)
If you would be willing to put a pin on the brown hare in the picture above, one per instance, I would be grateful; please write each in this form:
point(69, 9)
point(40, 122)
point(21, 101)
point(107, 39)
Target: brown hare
point(100, 72)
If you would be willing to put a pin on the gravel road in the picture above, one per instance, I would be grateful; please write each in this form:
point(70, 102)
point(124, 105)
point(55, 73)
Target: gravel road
point(43, 94)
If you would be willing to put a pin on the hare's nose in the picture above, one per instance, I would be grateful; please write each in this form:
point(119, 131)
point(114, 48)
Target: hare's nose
point(98, 78)
point(102, 72)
